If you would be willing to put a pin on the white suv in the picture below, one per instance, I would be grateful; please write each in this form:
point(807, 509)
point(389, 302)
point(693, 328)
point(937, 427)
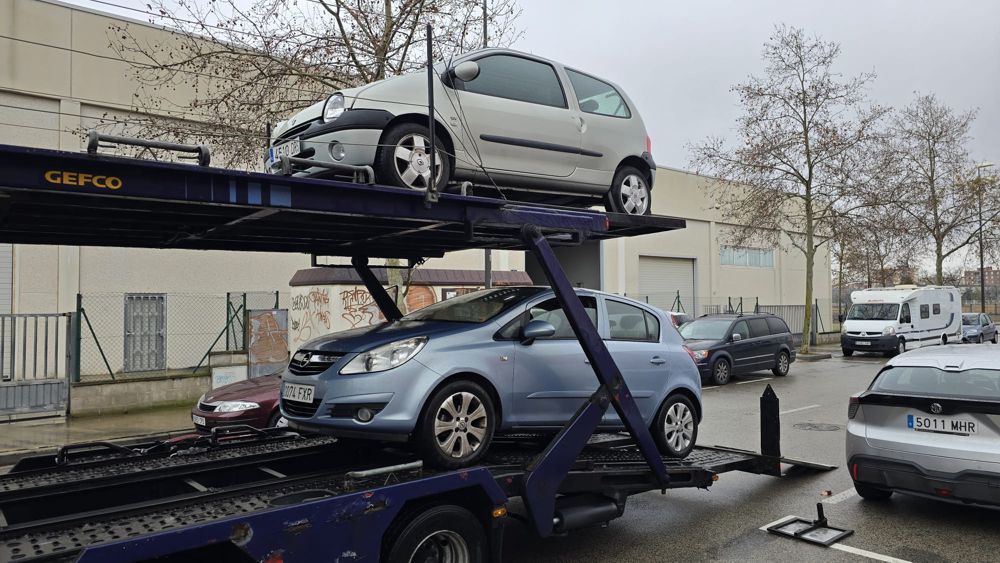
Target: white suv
point(504, 119)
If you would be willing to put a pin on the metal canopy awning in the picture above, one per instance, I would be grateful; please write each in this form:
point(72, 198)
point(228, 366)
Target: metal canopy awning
point(56, 197)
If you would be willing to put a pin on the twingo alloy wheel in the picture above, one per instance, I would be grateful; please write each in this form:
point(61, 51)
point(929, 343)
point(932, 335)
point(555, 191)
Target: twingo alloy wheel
point(404, 159)
point(629, 193)
point(676, 427)
point(457, 425)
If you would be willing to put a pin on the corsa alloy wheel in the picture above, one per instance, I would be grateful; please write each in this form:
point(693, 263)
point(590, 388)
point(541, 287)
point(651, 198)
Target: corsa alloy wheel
point(460, 425)
point(678, 426)
point(412, 159)
point(443, 546)
point(634, 195)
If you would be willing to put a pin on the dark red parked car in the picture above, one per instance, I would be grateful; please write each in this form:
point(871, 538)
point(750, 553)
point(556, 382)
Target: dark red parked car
point(253, 402)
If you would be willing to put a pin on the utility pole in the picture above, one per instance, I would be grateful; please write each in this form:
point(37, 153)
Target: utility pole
point(982, 260)
point(486, 31)
point(487, 254)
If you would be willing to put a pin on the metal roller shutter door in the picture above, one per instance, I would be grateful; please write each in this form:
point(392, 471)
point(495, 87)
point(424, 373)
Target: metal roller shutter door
point(661, 278)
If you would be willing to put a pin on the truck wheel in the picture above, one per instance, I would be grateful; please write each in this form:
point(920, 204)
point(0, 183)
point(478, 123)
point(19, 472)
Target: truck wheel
point(847, 352)
point(630, 193)
point(404, 159)
point(721, 372)
point(676, 427)
point(457, 425)
point(445, 534)
point(782, 365)
point(870, 492)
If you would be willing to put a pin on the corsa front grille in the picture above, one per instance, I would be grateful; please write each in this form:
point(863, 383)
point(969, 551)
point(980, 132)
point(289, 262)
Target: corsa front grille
point(312, 363)
point(300, 410)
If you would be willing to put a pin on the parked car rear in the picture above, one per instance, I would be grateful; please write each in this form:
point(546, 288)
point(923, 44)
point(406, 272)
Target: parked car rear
point(929, 425)
point(727, 345)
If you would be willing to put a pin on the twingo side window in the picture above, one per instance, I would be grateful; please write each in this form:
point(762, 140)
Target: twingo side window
point(516, 78)
point(904, 314)
point(925, 311)
point(597, 96)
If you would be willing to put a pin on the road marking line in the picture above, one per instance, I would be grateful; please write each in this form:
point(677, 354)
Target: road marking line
point(841, 497)
point(800, 409)
point(754, 380)
point(710, 387)
point(778, 521)
point(868, 554)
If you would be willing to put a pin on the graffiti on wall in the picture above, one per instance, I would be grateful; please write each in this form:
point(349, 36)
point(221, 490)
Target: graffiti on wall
point(267, 338)
point(359, 308)
point(310, 315)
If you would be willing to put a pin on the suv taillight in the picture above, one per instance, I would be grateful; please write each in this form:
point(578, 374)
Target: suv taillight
point(853, 404)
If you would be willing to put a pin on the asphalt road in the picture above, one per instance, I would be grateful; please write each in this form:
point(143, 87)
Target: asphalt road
point(723, 523)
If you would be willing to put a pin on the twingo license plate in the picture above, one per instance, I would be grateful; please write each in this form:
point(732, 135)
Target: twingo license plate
point(297, 393)
point(942, 425)
point(288, 148)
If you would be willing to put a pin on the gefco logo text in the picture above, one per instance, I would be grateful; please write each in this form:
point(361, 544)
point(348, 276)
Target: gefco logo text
point(83, 179)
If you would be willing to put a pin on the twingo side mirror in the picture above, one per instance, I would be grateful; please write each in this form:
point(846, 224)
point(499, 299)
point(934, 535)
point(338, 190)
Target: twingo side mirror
point(736, 337)
point(536, 329)
point(466, 71)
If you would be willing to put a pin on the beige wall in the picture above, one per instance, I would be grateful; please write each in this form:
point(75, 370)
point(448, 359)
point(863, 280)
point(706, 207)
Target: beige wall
point(70, 78)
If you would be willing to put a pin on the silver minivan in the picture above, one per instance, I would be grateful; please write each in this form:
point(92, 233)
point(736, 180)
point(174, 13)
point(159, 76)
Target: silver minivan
point(929, 425)
point(539, 130)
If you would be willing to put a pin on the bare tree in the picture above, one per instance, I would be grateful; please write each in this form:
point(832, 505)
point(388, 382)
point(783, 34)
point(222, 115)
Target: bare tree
point(805, 151)
point(938, 186)
point(234, 67)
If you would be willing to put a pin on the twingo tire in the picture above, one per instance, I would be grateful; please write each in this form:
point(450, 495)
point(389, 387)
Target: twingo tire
point(428, 438)
point(615, 202)
point(847, 353)
point(722, 372)
point(869, 492)
point(782, 365)
point(440, 530)
point(386, 170)
point(683, 421)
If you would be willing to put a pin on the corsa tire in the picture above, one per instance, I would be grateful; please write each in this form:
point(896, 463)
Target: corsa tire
point(722, 372)
point(459, 423)
point(871, 492)
point(387, 169)
point(440, 533)
point(617, 200)
point(783, 364)
point(679, 415)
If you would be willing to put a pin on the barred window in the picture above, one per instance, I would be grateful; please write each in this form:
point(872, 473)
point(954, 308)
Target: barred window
point(745, 256)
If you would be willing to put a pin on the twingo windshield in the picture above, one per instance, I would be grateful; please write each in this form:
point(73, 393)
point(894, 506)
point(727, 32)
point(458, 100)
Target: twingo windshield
point(705, 329)
point(934, 382)
point(970, 319)
point(475, 307)
point(873, 312)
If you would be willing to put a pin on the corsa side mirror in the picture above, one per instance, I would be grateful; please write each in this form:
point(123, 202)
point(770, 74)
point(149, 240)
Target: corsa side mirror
point(466, 71)
point(536, 329)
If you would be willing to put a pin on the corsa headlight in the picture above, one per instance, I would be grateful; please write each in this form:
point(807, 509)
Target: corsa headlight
point(385, 357)
point(235, 406)
point(888, 331)
point(333, 108)
point(700, 355)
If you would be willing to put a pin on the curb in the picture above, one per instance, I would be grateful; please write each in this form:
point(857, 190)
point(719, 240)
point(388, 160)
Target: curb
point(812, 357)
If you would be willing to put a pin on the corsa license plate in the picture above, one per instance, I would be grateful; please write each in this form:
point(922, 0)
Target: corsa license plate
point(288, 148)
point(199, 420)
point(942, 425)
point(297, 393)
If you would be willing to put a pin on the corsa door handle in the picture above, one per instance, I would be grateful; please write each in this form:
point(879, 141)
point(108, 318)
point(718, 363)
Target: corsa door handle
point(657, 360)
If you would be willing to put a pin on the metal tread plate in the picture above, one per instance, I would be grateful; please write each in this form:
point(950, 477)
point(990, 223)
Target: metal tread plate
point(700, 458)
point(123, 466)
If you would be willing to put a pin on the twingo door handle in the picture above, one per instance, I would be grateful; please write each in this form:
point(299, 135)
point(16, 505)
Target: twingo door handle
point(657, 360)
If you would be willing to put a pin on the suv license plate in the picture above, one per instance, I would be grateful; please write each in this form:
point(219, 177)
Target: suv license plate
point(297, 393)
point(288, 148)
point(942, 425)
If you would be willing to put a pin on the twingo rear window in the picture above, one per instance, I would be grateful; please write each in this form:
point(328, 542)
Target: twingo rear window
point(934, 382)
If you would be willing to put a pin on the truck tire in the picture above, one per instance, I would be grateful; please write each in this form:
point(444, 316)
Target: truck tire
point(457, 425)
point(675, 429)
point(440, 533)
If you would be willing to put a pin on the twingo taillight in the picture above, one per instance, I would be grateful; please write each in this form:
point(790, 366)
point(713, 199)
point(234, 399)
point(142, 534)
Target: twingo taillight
point(690, 353)
point(853, 404)
point(649, 145)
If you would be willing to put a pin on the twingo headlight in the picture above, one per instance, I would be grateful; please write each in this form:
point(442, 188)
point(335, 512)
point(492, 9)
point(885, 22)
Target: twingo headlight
point(385, 357)
point(333, 108)
point(888, 331)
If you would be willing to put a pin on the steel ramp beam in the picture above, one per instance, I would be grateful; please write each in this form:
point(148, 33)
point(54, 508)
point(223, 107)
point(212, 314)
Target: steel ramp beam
point(548, 469)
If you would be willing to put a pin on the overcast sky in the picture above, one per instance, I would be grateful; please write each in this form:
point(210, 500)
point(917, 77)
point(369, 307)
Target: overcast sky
point(677, 60)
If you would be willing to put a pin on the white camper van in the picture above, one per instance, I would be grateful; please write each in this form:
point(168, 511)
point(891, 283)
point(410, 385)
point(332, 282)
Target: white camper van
point(894, 319)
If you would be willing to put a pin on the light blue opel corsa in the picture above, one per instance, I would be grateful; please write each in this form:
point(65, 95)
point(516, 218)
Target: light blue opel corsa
point(449, 376)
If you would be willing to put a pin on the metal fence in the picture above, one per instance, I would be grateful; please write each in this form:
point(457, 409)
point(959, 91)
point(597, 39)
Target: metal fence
point(134, 335)
point(34, 363)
